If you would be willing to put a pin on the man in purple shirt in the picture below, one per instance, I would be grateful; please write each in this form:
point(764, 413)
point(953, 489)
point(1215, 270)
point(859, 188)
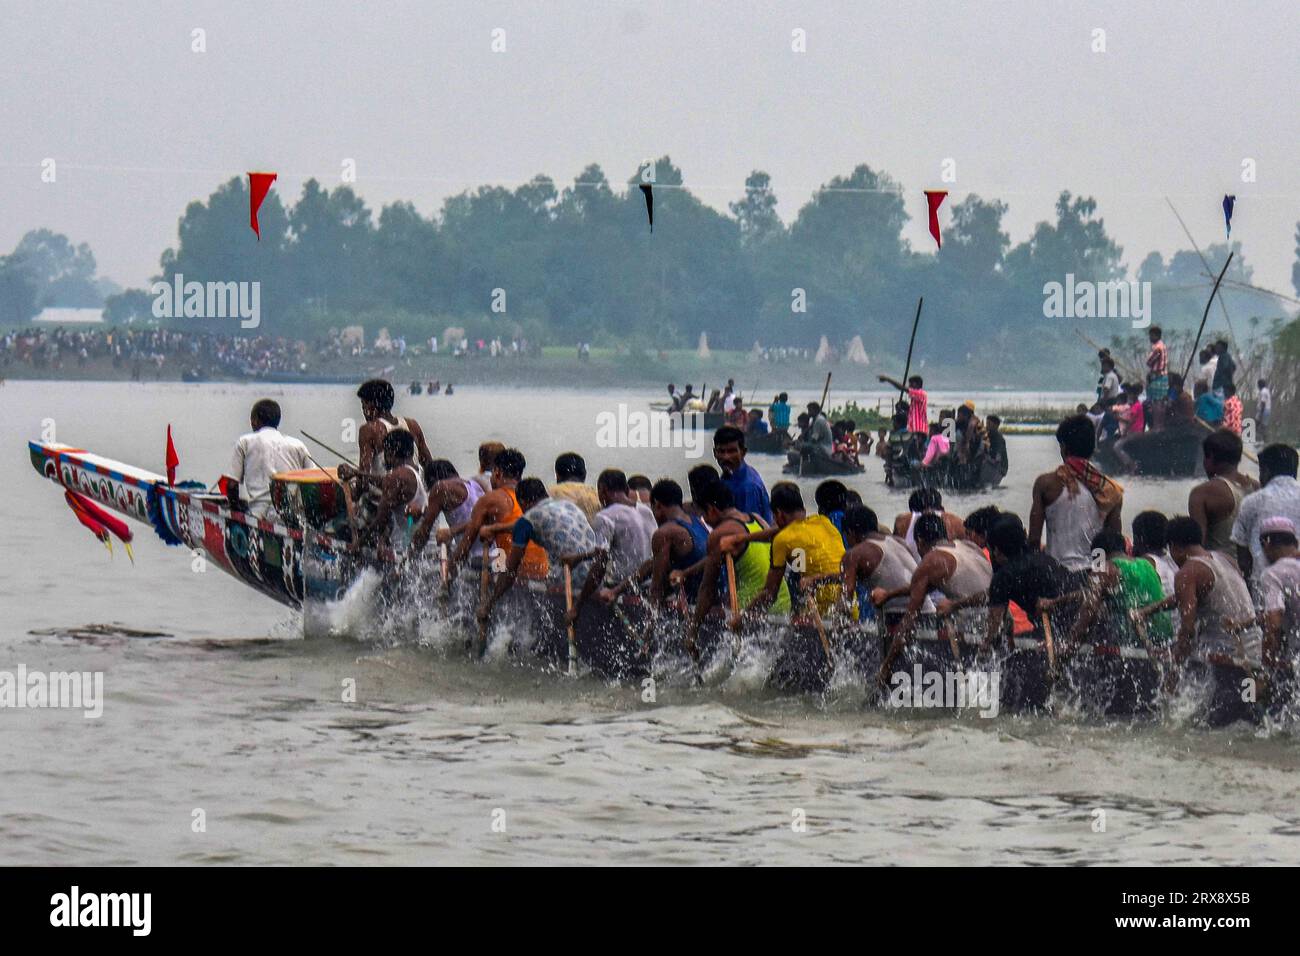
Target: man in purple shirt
point(746, 486)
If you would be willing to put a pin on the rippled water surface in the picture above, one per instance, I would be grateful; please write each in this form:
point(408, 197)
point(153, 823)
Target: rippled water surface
point(440, 760)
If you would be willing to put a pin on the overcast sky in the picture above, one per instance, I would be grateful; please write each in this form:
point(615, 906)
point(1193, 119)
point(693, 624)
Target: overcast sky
point(140, 125)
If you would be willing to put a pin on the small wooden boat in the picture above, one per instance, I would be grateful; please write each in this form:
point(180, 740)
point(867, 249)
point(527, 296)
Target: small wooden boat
point(770, 443)
point(1173, 452)
point(808, 467)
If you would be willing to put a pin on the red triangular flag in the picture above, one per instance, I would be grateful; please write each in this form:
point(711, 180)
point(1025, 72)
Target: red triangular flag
point(259, 184)
point(172, 458)
point(935, 198)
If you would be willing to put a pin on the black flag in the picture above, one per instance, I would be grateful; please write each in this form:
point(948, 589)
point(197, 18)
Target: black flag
point(649, 205)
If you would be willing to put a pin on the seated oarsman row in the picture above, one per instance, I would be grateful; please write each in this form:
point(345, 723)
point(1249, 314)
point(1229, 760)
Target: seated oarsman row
point(562, 531)
point(401, 498)
point(959, 570)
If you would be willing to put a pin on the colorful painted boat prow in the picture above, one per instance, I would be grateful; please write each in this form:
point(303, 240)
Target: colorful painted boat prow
point(266, 555)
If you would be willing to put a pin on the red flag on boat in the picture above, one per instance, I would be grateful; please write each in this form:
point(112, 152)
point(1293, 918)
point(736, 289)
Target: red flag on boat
point(172, 458)
point(935, 198)
point(259, 184)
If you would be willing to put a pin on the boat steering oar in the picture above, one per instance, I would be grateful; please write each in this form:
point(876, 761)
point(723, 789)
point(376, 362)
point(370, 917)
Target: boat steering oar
point(337, 454)
point(1050, 643)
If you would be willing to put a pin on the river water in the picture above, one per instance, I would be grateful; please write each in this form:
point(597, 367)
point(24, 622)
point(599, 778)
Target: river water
point(237, 714)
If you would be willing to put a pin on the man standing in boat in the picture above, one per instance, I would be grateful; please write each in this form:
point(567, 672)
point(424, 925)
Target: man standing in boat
point(1214, 503)
point(746, 485)
point(259, 455)
point(1074, 501)
point(377, 399)
point(918, 411)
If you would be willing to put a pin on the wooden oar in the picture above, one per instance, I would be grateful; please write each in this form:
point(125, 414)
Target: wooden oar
point(907, 369)
point(337, 454)
point(1050, 643)
point(808, 587)
point(733, 598)
point(1210, 428)
point(568, 609)
point(484, 582)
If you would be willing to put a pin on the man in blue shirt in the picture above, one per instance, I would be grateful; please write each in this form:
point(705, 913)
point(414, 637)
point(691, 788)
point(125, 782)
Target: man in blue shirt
point(779, 412)
point(1209, 407)
point(746, 486)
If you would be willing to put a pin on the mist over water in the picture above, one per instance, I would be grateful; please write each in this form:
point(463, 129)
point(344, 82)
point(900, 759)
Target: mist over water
point(240, 711)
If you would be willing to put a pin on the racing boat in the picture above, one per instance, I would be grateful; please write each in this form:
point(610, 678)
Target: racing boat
point(304, 557)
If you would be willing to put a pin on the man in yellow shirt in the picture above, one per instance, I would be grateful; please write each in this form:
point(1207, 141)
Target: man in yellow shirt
point(807, 545)
point(570, 484)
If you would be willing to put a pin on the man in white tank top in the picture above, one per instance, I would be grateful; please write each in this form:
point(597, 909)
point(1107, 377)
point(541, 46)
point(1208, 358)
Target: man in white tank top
point(377, 398)
point(960, 571)
point(1217, 615)
point(1074, 501)
point(401, 497)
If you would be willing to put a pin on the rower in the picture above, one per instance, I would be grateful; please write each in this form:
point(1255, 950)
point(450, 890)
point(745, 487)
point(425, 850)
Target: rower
point(697, 479)
point(570, 484)
point(751, 559)
point(559, 528)
point(624, 524)
point(487, 454)
point(640, 486)
point(1279, 591)
point(377, 406)
point(808, 545)
point(920, 502)
point(832, 497)
point(876, 560)
point(680, 542)
point(499, 507)
point(746, 485)
point(1214, 503)
point(259, 455)
point(1076, 500)
point(957, 569)
point(452, 496)
point(401, 496)
point(1121, 586)
point(1023, 578)
point(1214, 604)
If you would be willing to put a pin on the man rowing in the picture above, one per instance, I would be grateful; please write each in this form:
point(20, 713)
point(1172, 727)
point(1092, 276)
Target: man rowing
point(500, 507)
point(1279, 591)
point(752, 559)
point(923, 501)
point(1025, 578)
point(876, 560)
point(1215, 502)
point(680, 542)
point(1216, 615)
point(807, 545)
point(401, 497)
point(1075, 500)
point(624, 524)
point(453, 497)
point(1119, 587)
point(559, 528)
point(959, 570)
point(570, 484)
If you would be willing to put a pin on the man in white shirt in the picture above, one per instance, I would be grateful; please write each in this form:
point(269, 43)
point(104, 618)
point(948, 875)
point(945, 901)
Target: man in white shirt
point(624, 524)
point(1263, 410)
point(1278, 497)
point(259, 455)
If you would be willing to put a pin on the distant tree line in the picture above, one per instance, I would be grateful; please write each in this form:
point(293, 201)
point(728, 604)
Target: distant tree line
point(580, 264)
